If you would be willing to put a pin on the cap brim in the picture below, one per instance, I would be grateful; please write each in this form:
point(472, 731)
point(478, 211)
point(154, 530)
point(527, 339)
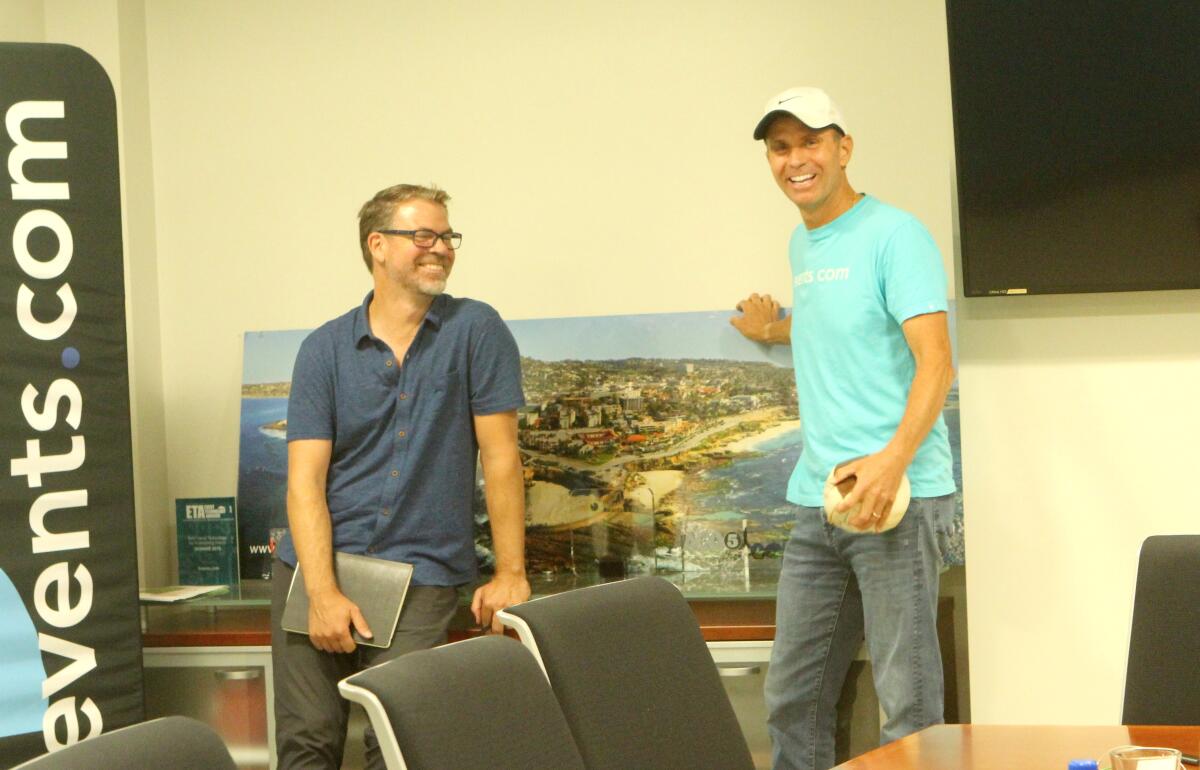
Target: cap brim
point(760, 131)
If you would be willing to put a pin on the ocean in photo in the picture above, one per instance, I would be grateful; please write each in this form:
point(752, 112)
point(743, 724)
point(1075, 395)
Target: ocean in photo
point(262, 481)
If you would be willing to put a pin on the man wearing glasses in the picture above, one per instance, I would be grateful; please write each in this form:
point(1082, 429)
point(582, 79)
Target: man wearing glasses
point(871, 350)
point(390, 404)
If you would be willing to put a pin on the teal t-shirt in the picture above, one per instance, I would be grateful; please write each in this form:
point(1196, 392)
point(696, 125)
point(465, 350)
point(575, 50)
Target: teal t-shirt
point(855, 281)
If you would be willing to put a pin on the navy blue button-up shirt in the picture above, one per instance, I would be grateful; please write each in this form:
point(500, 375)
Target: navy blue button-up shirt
point(402, 474)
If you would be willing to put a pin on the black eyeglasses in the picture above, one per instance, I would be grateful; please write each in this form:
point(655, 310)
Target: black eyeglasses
point(426, 238)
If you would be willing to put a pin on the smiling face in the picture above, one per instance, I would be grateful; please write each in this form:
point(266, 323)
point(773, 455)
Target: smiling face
point(403, 264)
point(810, 167)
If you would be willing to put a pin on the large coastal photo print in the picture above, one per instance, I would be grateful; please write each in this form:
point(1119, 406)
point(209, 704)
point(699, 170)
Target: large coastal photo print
point(651, 444)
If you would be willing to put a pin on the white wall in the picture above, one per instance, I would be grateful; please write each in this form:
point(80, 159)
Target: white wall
point(599, 155)
point(600, 160)
point(21, 21)
point(1079, 423)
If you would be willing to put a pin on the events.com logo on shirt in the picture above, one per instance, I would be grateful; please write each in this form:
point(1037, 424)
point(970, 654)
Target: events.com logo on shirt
point(824, 275)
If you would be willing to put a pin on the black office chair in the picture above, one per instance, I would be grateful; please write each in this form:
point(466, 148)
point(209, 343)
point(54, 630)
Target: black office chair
point(482, 702)
point(1162, 682)
point(634, 677)
point(180, 743)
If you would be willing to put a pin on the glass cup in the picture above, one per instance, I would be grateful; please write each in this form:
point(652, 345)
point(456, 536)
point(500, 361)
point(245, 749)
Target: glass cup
point(1145, 758)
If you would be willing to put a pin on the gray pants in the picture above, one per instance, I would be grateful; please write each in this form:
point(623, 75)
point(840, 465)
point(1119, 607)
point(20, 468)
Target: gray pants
point(310, 714)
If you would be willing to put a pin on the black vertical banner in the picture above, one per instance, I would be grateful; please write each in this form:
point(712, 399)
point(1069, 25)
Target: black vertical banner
point(70, 642)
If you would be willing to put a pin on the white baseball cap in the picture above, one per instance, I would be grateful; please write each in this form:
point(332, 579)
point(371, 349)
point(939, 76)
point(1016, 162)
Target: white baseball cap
point(811, 106)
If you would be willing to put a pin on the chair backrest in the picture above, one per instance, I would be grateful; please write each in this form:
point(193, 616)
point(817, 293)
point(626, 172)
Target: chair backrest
point(180, 743)
point(633, 676)
point(1162, 682)
point(481, 702)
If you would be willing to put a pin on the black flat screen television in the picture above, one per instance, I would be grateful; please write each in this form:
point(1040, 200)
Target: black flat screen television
point(1077, 144)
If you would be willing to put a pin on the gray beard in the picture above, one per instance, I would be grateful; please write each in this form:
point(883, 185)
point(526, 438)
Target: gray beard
point(432, 290)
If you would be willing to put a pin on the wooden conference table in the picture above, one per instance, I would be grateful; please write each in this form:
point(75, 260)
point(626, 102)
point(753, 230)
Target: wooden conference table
point(1015, 747)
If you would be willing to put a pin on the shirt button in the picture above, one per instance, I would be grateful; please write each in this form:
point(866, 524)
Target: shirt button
point(384, 512)
point(400, 433)
point(403, 396)
point(388, 363)
point(395, 474)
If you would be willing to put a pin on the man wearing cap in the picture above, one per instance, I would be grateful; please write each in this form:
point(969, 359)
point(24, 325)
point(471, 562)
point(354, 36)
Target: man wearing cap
point(871, 350)
point(390, 405)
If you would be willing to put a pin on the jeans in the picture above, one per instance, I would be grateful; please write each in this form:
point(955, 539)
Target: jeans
point(310, 714)
point(834, 587)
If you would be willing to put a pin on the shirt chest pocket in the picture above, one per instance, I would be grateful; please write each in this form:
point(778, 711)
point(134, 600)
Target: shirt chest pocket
point(444, 399)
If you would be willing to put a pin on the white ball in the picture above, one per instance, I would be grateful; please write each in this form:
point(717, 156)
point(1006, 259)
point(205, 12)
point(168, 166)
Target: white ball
point(833, 496)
